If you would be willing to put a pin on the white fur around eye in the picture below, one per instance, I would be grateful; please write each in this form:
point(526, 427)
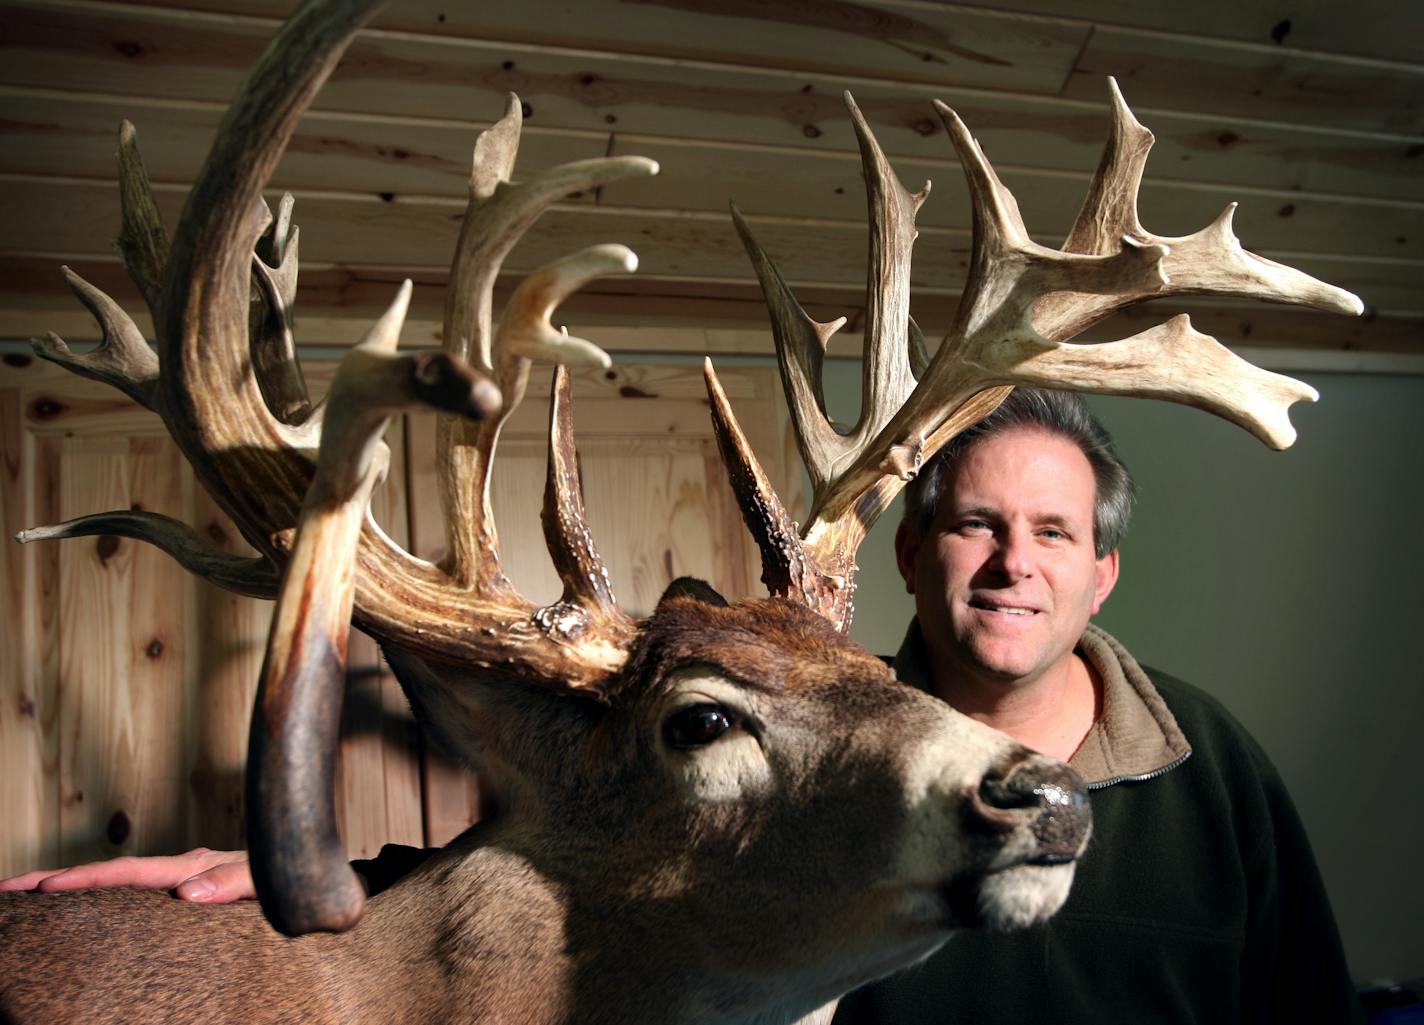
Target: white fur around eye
point(726, 770)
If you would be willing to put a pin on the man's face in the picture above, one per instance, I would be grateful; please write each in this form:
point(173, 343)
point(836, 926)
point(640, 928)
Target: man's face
point(1006, 578)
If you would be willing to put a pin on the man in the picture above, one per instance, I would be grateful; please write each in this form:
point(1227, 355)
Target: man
point(1198, 900)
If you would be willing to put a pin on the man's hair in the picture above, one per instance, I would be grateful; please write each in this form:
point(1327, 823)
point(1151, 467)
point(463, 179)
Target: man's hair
point(1060, 413)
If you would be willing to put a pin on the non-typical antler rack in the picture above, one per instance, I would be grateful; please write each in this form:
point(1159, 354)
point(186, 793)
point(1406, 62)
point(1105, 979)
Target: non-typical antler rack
point(1021, 304)
point(228, 386)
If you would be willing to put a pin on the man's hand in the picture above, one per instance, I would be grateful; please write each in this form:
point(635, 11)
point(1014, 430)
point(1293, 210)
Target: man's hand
point(208, 877)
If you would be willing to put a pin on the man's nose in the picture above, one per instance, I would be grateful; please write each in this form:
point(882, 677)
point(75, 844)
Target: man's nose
point(1013, 555)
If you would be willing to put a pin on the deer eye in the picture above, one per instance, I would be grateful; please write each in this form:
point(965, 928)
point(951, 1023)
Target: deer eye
point(696, 725)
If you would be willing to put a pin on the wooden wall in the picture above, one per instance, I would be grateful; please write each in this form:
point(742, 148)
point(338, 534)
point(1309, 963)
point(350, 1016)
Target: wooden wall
point(127, 684)
point(1307, 112)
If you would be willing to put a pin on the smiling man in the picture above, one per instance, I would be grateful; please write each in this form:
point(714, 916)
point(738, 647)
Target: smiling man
point(1198, 899)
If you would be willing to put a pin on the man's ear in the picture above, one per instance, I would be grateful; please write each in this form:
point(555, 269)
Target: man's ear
point(1107, 568)
point(907, 546)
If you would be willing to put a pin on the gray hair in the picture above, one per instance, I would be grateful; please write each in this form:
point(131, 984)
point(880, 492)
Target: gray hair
point(1061, 413)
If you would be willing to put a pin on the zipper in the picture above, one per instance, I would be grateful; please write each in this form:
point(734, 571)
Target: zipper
point(1105, 783)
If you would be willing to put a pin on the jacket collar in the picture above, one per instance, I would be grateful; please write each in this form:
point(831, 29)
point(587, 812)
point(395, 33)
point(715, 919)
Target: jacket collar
point(1136, 736)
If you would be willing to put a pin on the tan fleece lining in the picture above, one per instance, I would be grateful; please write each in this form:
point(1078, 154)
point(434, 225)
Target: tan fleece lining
point(1136, 734)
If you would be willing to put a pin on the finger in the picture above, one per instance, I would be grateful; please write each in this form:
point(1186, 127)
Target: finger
point(157, 873)
point(28, 881)
point(118, 872)
point(222, 884)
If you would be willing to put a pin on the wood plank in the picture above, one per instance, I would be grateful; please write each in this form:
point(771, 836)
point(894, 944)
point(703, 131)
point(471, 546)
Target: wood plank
point(827, 186)
point(588, 92)
point(150, 787)
point(1252, 81)
point(69, 218)
point(73, 138)
point(231, 640)
point(89, 669)
point(24, 806)
point(69, 134)
point(72, 134)
point(121, 701)
point(647, 317)
point(871, 38)
point(1367, 28)
point(48, 635)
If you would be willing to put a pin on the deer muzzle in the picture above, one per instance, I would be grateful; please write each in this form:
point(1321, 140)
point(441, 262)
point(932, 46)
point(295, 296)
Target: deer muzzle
point(1043, 796)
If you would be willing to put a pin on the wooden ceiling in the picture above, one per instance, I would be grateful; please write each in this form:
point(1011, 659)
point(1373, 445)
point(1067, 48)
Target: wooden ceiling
point(1310, 113)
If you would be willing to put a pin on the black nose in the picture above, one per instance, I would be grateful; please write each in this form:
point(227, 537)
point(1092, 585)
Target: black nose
point(1041, 795)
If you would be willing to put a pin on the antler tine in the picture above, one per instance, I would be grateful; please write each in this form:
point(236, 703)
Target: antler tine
point(800, 353)
point(499, 212)
point(298, 861)
point(588, 610)
point(885, 378)
point(1209, 262)
point(142, 243)
point(786, 568)
point(122, 359)
point(1109, 209)
point(254, 577)
point(274, 351)
point(1174, 361)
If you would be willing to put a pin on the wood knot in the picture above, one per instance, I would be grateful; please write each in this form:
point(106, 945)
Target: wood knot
point(118, 829)
point(46, 408)
point(106, 547)
point(154, 649)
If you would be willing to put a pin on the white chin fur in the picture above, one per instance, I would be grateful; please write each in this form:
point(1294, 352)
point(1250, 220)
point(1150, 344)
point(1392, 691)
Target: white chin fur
point(1023, 895)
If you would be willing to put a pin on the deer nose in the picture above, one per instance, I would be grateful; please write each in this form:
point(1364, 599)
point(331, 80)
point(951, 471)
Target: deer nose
point(1045, 796)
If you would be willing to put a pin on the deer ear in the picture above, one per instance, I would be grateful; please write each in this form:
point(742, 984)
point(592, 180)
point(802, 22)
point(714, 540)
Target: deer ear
point(691, 587)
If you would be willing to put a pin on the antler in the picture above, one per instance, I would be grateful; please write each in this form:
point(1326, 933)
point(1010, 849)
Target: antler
point(228, 385)
point(1021, 304)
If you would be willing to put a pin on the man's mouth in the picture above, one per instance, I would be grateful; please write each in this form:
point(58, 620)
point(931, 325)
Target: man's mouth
point(993, 606)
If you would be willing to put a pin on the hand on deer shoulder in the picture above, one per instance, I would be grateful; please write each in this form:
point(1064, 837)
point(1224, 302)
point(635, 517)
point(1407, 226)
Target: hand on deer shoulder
point(209, 877)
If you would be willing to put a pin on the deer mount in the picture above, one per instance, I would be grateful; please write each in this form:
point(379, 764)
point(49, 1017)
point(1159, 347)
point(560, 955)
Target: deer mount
point(558, 702)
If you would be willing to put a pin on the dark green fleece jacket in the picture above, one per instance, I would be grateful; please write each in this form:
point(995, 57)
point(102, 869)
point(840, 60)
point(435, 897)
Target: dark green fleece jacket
point(1198, 899)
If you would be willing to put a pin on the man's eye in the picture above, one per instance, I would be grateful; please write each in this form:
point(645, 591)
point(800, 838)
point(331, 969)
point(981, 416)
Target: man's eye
point(696, 725)
point(972, 526)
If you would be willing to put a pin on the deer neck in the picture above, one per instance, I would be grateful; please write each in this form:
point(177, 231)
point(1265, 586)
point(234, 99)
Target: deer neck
point(495, 937)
